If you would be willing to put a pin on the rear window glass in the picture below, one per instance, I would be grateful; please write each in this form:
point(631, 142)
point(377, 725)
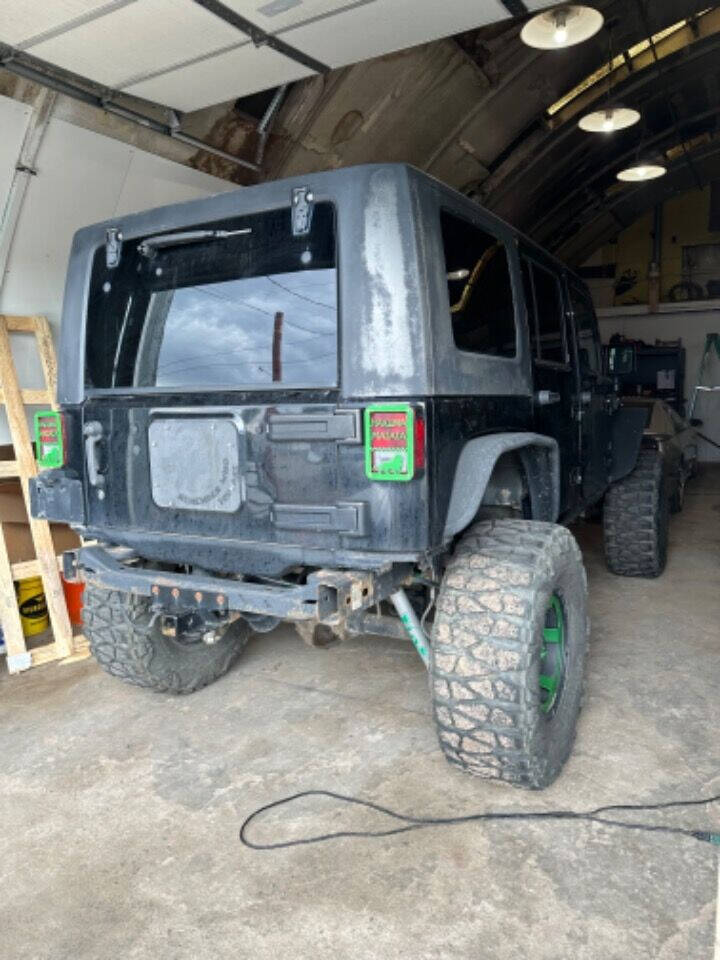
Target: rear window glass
point(250, 306)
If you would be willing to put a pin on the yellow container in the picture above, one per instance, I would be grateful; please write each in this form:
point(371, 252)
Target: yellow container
point(32, 605)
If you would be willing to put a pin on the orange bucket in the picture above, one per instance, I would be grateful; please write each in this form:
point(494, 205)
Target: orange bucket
point(74, 600)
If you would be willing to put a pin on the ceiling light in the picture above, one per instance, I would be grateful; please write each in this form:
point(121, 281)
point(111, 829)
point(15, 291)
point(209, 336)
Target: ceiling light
point(562, 27)
point(560, 36)
point(609, 119)
point(642, 170)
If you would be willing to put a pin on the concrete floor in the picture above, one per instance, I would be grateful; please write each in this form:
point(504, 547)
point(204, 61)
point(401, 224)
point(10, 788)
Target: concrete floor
point(120, 808)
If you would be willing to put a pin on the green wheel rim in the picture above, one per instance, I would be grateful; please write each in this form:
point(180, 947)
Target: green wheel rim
point(552, 655)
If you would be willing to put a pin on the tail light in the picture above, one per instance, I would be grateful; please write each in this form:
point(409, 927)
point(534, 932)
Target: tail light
point(49, 439)
point(394, 441)
point(419, 440)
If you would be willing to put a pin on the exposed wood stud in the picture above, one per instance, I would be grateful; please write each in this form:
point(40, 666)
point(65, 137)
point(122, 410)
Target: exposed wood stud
point(24, 467)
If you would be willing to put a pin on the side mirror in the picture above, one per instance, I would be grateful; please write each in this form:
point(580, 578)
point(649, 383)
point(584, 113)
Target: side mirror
point(621, 359)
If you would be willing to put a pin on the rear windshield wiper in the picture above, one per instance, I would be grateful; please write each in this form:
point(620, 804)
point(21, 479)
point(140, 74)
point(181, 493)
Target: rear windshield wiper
point(162, 241)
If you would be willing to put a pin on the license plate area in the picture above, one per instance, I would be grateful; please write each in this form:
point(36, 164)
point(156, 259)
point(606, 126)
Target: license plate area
point(195, 464)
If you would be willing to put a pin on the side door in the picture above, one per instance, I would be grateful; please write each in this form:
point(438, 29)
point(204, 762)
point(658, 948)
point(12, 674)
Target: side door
point(596, 400)
point(554, 383)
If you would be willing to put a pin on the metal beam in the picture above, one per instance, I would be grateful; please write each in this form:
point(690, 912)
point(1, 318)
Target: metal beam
point(95, 95)
point(259, 37)
point(616, 163)
point(573, 246)
point(541, 155)
point(659, 67)
point(516, 8)
point(42, 108)
point(267, 120)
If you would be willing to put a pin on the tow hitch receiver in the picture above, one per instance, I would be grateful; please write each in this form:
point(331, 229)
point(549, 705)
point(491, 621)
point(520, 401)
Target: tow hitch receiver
point(329, 596)
point(185, 613)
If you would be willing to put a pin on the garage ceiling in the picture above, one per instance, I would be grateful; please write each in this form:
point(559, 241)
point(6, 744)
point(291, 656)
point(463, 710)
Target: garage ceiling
point(499, 121)
point(447, 86)
point(187, 55)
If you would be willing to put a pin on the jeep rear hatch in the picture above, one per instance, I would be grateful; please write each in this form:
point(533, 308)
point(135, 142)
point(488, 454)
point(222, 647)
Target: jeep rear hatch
point(212, 415)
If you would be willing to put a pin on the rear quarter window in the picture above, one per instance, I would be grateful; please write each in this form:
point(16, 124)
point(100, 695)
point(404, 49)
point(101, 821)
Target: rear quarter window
point(482, 309)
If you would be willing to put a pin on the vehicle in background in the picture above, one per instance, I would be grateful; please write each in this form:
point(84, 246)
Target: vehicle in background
point(676, 440)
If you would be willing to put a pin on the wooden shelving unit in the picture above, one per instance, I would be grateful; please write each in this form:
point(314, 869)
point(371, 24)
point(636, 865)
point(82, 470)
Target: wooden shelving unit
point(45, 564)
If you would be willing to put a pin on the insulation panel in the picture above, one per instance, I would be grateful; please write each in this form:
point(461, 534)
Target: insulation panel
point(275, 15)
point(21, 21)
point(238, 72)
point(179, 54)
point(142, 36)
point(373, 29)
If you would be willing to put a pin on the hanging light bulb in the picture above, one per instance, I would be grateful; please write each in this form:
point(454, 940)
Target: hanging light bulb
point(561, 31)
point(642, 170)
point(608, 119)
point(562, 27)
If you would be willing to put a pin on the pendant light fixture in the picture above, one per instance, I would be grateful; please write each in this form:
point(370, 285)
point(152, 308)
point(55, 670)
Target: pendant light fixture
point(611, 116)
point(645, 165)
point(645, 168)
point(561, 27)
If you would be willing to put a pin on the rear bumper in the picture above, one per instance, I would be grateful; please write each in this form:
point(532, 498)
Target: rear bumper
point(327, 595)
point(251, 557)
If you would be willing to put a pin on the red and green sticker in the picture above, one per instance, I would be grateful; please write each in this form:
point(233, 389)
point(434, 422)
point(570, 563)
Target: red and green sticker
point(389, 430)
point(49, 445)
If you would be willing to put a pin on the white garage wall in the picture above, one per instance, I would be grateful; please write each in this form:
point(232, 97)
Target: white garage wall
point(691, 322)
point(14, 117)
point(82, 177)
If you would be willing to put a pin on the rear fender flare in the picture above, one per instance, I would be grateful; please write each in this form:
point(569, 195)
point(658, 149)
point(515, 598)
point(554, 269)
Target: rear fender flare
point(540, 460)
point(628, 426)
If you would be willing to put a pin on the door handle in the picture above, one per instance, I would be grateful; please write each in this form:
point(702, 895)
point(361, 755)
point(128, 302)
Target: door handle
point(93, 432)
point(545, 397)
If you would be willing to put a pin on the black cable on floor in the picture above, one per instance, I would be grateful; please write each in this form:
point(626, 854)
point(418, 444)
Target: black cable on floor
point(419, 823)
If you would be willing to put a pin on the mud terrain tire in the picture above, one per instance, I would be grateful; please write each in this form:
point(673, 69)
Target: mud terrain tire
point(488, 647)
point(126, 645)
point(635, 520)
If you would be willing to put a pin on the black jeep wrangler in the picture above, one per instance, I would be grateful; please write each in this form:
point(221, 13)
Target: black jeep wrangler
point(358, 402)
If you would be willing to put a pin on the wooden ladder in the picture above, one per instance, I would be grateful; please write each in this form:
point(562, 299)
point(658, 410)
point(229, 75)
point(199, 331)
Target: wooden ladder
point(14, 398)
